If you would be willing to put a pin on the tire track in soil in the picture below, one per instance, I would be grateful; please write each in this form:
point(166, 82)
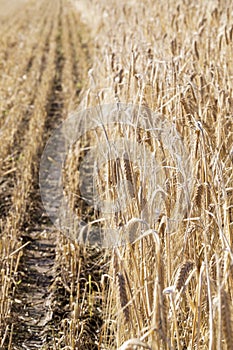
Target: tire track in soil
point(32, 310)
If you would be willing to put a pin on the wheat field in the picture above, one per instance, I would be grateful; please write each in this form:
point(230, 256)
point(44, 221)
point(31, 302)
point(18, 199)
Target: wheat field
point(162, 182)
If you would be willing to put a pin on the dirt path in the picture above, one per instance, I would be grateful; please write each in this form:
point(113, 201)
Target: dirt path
point(33, 302)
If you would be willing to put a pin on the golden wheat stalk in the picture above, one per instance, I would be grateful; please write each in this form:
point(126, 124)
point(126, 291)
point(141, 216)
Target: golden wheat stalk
point(182, 275)
point(226, 318)
point(121, 285)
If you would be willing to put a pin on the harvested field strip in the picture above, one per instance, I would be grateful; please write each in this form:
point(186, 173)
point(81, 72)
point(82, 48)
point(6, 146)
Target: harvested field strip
point(32, 327)
point(17, 13)
point(32, 79)
point(16, 46)
point(26, 9)
point(32, 147)
point(67, 78)
point(75, 47)
point(16, 80)
point(77, 35)
point(40, 307)
point(16, 216)
point(20, 114)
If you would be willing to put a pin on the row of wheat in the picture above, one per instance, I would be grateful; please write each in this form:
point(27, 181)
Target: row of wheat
point(171, 288)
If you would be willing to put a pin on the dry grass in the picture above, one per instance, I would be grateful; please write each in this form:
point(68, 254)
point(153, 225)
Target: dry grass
point(172, 287)
point(176, 59)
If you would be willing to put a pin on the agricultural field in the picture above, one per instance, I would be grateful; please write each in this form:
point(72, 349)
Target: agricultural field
point(116, 181)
